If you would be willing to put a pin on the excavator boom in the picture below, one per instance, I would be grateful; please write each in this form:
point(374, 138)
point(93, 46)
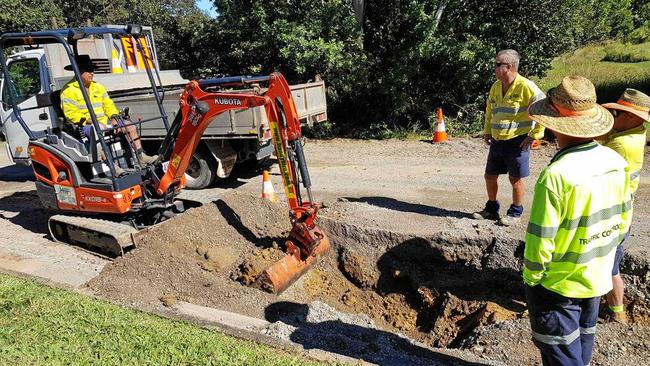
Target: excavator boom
point(199, 106)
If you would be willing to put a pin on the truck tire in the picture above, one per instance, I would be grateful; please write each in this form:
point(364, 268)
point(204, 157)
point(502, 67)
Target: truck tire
point(201, 171)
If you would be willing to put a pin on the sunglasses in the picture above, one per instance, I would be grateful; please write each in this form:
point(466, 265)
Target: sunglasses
point(499, 64)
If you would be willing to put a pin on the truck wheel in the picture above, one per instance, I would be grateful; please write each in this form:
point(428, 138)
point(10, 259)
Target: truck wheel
point(201, 171)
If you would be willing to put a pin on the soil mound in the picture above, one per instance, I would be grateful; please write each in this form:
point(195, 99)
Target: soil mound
point(202, 256)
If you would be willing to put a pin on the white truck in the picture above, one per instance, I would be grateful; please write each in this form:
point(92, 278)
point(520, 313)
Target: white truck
point(232, 138)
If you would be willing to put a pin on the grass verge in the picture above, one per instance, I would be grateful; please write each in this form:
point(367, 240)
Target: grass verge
point(610, 78)
point(45, 326)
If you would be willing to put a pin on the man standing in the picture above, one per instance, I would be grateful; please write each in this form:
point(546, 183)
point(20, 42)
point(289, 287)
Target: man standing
point(509, 132)
point(581, 210)
point(76, 112)
point(628, 138)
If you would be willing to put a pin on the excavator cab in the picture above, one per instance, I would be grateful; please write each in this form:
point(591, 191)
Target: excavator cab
point(77, 173)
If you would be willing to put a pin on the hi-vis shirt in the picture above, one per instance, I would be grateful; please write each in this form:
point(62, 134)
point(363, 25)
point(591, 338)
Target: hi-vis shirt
point(506, 116)
point(630, 145)
point(581, 211)
point(74, 107)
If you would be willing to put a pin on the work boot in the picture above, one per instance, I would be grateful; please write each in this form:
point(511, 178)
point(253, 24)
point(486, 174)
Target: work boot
point(145, 159)
point(616, 317)
point(490, 212)
point(513, 215)
point(118, 170)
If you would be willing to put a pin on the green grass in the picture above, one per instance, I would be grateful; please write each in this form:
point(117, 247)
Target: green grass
point(610, 78)
point(45, 326)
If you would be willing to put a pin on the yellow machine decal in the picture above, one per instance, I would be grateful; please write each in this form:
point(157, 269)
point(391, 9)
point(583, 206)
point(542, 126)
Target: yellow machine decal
point(176, 160)
point(282, 160)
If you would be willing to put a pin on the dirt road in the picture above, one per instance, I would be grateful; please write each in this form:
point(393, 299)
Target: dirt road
point(392, 203)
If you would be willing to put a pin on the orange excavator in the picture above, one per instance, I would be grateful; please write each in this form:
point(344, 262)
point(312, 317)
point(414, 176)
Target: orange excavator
point(106, 211)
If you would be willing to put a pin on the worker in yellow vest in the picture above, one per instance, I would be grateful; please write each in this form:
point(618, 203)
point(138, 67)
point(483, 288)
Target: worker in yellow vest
point(509, 133)
point(628, 138)
point(76, 112)
point(581, 211)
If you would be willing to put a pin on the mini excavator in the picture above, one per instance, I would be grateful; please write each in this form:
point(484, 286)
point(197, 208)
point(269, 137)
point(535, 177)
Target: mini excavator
point(106, 212)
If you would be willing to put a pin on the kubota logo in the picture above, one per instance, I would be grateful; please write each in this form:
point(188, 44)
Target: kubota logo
point(227, 101)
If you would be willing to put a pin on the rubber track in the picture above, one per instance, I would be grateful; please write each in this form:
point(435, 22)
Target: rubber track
point(121, 234)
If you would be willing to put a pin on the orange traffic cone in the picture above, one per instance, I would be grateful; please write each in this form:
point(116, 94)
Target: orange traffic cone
point(267, 187)
point(439, 132)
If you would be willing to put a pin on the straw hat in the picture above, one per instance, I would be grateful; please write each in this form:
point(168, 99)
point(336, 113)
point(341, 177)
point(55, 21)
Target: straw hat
point(632, 101)
point(571, 109)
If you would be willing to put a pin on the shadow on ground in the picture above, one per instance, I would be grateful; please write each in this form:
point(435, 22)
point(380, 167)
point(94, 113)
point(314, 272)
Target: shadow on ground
point(24, 209)
point(372, 345)
point(397, 205)
point(16, 173)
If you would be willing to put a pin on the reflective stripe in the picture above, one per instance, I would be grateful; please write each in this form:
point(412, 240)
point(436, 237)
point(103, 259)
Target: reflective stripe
point(583, 221)
point(555, 340)
point(509, 125)
point(635, 175)
point(533, 266)
point(580, 258)
point(509, 110)
point(541, 231)
point(596, 217)
point(590, 330)
point(69, 101)
point(105, 95)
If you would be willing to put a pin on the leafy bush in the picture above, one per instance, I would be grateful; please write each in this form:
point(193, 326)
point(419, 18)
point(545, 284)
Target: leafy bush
point(640, 35)
point(325, 130)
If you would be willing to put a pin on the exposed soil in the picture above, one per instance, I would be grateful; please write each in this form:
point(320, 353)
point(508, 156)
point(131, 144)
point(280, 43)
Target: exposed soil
point(408, 267)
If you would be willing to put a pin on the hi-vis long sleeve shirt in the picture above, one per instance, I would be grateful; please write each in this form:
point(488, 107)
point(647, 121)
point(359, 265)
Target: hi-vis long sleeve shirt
point(630, 145)
point(74, 107)
point(506, 116)
point(582, 208)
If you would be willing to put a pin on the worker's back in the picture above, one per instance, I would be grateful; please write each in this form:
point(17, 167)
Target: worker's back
point(588, 186)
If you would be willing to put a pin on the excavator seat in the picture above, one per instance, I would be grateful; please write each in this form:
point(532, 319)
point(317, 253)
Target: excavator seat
point(71, 140)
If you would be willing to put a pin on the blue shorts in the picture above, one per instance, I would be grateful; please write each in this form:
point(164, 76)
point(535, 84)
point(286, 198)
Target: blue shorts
point(508, 157)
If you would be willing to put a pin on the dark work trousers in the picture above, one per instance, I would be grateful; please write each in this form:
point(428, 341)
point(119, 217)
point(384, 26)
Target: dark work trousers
point(564, 329)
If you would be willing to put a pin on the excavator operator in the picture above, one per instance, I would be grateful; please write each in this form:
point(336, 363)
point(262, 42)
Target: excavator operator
point(76, 111)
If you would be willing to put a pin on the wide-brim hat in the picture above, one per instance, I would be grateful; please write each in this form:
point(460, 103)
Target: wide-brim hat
point(84, 63)
point(571, 109)
point(632, 101)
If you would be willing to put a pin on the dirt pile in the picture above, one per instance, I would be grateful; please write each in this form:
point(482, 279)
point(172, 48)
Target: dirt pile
point(202, 256)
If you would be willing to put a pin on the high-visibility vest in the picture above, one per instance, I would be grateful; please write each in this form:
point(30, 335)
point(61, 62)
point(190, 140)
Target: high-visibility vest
point(630, 144)
point(75, 109)
point(506, 116)
point(582, 208)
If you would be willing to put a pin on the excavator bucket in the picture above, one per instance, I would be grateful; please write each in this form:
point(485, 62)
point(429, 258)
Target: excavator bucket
point(283, 273)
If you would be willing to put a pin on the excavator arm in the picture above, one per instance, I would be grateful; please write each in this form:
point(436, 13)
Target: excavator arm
point(199, 105)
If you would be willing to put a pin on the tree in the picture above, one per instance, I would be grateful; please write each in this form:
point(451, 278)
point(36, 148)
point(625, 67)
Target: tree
point(28, 15)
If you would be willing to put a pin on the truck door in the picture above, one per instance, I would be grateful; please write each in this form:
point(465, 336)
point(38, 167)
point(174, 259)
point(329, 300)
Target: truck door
point(27, 75)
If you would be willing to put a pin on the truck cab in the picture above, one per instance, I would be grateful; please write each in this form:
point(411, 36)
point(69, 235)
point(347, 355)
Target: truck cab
point(31, 78)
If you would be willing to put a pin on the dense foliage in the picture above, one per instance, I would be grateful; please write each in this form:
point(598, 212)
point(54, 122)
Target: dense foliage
point(389, 68)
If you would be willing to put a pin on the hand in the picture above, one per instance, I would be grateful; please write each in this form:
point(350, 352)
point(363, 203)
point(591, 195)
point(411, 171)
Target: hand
point(487, 139)
point(528, 141)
